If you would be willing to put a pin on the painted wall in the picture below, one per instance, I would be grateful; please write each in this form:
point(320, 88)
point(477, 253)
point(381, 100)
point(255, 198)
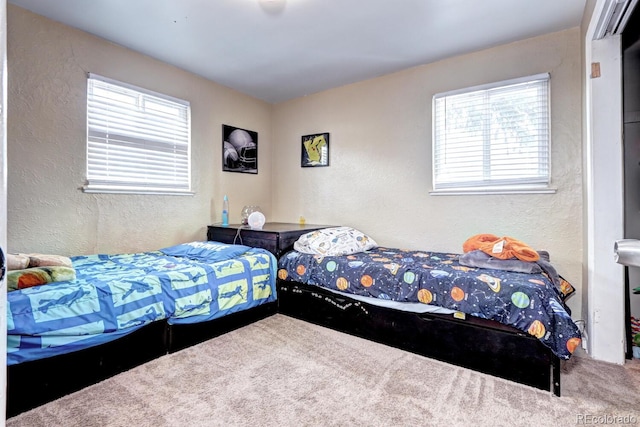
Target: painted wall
point(380, 152)
point(380, 158)
point(48, 65)
point(3, 205)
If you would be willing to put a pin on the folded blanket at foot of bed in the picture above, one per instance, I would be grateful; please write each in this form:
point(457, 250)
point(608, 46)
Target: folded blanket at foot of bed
point(21, 279)
point(23, 261)
point(480, 259)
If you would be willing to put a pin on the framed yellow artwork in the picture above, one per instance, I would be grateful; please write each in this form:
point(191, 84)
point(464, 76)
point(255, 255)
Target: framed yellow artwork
point(315, 150)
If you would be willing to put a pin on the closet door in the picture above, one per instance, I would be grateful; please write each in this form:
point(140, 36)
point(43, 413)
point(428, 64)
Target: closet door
point(632, 219)
point(631, 115)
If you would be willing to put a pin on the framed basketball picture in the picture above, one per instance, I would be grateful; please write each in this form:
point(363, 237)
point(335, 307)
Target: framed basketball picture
point(315, 150)
point(239, 150)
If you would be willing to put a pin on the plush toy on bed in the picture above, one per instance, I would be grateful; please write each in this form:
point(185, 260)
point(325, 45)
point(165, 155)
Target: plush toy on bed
point(27, 270)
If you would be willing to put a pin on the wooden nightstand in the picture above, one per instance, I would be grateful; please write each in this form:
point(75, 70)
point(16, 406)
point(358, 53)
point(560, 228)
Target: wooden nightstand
point(276, 237)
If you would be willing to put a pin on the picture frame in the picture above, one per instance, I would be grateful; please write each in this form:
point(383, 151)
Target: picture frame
point(239, 150)
point(315, 150)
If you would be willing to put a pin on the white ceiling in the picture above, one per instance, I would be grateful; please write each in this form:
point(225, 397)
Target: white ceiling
point(308, 45)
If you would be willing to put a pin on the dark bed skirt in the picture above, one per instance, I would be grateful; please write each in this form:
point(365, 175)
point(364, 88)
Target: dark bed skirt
point(183, 336)
point(37, 382)
point(473, 343)
point(482, 345)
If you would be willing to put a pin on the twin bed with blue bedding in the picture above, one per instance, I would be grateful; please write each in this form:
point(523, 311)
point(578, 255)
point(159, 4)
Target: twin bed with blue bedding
point(124, 295)
point(114, 295)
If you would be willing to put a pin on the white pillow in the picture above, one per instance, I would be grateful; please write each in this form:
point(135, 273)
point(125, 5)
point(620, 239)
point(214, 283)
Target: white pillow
point(334, 241)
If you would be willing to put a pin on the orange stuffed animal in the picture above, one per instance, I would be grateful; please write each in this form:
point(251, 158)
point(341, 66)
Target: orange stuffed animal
point(500, 247)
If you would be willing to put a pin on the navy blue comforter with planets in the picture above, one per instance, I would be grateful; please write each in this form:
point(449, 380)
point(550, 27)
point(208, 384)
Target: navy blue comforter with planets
point(528, 302)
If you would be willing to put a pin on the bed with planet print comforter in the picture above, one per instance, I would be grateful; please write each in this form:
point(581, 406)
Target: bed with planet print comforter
point(115, 295)
point(531, 303)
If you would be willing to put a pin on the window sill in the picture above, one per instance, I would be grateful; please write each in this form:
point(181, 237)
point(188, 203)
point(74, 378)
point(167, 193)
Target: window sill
point(87, 189)
point(492, 191)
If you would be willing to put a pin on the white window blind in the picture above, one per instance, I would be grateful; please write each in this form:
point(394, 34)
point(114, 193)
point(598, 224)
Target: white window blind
point(492, 136)
point(138, 141)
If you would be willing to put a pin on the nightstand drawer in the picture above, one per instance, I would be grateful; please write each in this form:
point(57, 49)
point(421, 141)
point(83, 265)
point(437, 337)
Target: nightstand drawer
point(222, 235)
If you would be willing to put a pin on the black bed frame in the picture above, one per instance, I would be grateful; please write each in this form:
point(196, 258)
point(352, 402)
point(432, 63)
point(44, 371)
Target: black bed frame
point(34, 383)
point(482, 345)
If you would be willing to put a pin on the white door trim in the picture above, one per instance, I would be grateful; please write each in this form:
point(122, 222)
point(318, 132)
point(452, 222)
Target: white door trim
point(604, 195)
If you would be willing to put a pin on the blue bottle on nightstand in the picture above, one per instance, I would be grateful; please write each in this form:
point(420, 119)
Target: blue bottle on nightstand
point(225, 211)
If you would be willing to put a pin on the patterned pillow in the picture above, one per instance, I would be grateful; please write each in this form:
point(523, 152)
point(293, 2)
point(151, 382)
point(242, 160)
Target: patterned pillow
point(334, 241)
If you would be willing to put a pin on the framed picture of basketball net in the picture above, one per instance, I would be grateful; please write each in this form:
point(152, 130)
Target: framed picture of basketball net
point(315, 150)
point(239, 150)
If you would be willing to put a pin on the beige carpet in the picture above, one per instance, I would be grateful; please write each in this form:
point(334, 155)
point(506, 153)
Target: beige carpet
point(285, 372)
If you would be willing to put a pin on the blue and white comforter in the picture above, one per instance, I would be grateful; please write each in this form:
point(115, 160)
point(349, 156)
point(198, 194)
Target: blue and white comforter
point(114, 295)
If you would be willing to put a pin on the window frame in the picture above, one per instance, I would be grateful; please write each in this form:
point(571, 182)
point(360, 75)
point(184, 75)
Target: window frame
point(508, 186)
point(96, 184)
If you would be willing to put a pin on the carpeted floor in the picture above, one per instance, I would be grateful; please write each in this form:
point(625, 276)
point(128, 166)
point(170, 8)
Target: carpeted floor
point(285, 372)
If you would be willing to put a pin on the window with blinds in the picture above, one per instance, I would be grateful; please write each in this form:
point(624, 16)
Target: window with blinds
point(493, 137)
point(137, 141)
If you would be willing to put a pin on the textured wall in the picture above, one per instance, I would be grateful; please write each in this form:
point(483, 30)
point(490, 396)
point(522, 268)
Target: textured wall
point(380, 154)
point(3, 203)
point(48, 212)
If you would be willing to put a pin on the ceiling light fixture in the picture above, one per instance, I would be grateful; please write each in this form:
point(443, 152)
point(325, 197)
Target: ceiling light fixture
point(272, 6)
